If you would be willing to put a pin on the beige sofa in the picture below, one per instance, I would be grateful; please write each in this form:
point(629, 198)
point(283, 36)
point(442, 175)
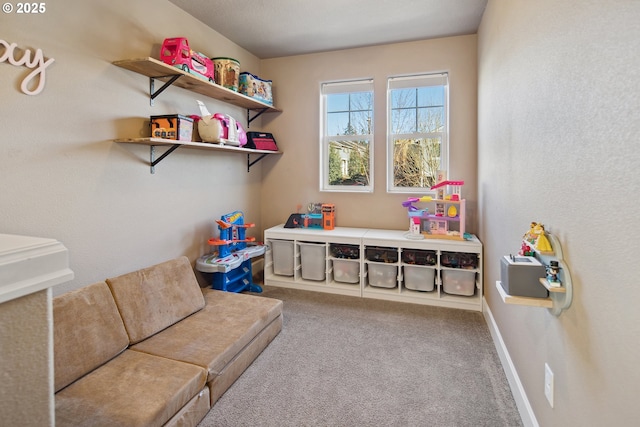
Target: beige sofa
point(152, 348)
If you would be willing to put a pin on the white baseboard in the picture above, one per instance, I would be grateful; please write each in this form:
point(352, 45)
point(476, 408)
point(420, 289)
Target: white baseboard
point(522, 402)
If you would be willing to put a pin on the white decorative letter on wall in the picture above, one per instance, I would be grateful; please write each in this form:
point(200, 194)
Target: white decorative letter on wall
point(37, 63)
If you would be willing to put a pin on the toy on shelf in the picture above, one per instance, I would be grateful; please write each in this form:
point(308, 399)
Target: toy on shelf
point(319, 215)
point(229, 266)
point(537, 237)
point(553, 271)
point(175, 51)
point(447, 221)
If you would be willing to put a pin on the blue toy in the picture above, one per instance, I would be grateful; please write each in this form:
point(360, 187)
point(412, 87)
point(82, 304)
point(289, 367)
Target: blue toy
point(230, 267)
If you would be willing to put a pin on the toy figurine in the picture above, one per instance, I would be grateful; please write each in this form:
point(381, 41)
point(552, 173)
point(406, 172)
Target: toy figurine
point(542, 242)
point(530, 236)
point(525, 250)
point(553, 269)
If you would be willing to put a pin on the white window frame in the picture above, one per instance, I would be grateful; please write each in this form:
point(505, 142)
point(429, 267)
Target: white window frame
point(416, 81)
point(337, 87)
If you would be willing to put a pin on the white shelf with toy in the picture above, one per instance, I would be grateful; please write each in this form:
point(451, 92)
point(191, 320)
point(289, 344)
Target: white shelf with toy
point(546, 248)
point(378, 264)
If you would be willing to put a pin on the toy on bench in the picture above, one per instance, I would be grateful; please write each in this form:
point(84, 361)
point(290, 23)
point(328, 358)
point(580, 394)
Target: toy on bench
point(446, 220)
point(319, 215)
point(228, 268)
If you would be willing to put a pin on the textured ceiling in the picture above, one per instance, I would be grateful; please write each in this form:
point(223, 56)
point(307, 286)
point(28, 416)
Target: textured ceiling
point(276, 28)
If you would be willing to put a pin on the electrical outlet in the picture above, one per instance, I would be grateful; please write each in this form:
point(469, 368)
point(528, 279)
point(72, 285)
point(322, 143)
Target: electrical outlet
point(548, 383)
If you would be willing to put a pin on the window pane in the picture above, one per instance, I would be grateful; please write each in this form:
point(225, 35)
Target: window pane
point(403, 98)
point(361, 100)
point(430, 119)
point(349, 163)
point(431, 96)
point(416, 162)
point(403, 121)
point(361, 122)
point(338, 102)
point(337, 123)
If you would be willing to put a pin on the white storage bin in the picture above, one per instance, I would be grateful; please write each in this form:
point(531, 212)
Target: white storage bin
point(382, 275)
point(282, 254)
point(313, 260)
point(346, 270)
point(459, 282)
point(419, 277)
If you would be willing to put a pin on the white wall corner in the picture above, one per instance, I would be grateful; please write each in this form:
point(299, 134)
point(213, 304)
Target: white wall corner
point(522, 402)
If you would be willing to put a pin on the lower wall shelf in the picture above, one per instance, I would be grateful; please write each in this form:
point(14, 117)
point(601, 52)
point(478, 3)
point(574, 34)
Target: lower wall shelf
point(560, 297)
point(173, 145)
point(533, 302)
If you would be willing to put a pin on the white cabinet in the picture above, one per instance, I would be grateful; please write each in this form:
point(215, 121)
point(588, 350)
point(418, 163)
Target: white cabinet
point(372, 263)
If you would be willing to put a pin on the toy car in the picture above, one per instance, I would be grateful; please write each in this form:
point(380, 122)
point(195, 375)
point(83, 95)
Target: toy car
point(176, 52)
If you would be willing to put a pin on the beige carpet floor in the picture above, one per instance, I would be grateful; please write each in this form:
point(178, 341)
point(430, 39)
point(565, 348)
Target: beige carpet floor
point(346, 361)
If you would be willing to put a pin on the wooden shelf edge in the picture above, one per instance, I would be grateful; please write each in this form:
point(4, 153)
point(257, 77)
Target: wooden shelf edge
point(559, 289)
point(528, 301)
point(188, 144)
point(156, 69)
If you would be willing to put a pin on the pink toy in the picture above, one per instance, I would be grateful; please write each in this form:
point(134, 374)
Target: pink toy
point(176, 52)
point(223, 129)
point(447, 220)
point(232, 131)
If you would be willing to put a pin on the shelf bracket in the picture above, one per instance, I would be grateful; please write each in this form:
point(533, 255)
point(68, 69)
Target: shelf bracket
point(152, 154)
point(251, 163)
point(255, 116)
point(154, 93)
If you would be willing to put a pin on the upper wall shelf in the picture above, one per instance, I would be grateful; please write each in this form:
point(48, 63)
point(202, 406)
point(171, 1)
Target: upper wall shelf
point(158, 70)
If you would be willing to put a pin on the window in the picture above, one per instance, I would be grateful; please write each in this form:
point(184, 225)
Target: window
point(417, 142)
point(346, 154)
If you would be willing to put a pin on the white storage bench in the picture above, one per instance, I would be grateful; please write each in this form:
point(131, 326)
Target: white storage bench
point(372, 263)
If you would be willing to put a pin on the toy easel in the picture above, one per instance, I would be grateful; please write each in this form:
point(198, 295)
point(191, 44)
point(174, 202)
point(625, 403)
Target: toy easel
point(230, 266)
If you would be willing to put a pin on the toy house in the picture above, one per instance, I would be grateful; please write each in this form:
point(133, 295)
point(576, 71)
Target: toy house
point(447, 219)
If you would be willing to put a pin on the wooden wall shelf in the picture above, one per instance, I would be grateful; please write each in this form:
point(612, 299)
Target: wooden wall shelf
point(173, 145)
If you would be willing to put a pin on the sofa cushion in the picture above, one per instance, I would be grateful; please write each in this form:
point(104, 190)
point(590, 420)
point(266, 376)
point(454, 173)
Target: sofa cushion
point(212, 337)
point(133, 389)
point(87, 332)
point(156, 297)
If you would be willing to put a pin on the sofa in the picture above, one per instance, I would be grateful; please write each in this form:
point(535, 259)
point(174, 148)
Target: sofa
point(152, 348)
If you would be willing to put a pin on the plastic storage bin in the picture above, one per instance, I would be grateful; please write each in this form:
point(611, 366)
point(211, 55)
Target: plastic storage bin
point(346, 270)
point(381, 254)
point(459, 282)
point(382, 275)
point(282, 254)
point(419, 257)
point(419, 277)
point(459, 260)
point(340, 250)
point(313, 260)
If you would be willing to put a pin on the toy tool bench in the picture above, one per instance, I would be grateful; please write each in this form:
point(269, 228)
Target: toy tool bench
point(229, 267)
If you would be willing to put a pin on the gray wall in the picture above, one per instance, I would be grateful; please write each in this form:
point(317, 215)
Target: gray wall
point(557, 143)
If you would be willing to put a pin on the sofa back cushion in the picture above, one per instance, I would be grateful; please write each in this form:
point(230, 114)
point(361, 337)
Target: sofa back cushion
point(87, 332)
point(155, 298)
